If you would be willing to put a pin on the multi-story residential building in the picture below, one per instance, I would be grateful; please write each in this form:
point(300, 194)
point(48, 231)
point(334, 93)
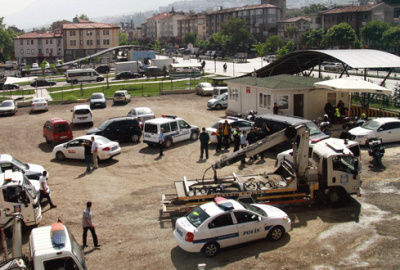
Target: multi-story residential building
point(154, 25)
point(164, 24)
point(262, 19)
point(86, 38)
point(192, 23)
point(293, 28)
point(316, 20)
point(357, 16)
point(35, 47)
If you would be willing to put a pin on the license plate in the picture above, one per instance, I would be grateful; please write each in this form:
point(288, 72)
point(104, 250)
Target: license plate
point(147, 136)
point(114, 148)
point(178, 231)
point(81, 118)
point(63, 137)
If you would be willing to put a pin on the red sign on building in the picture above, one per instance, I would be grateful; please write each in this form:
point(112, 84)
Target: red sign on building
point(248, 90)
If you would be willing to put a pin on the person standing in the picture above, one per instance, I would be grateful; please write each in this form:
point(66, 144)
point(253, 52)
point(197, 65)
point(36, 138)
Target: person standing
point(94, 149)
point(227, 134)
point(252, 138)
point(219, 133)
point(88, 154)
point(345, 134)
point(225, 66)
point(204, 139)
point(236, 139)
point(261, 135)
point(161, 140)
point(87, 224)
point(243, 143)
point(276, 108)
point(45, 190)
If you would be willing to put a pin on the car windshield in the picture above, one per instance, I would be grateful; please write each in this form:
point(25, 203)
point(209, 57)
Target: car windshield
point(29, 187)
point(144, 111)
point(20, 164)
point(208, 85)
point(97, 96)
point(6, 104)
point(371, 125)
point(82, 111)
point(197, 217)
point(221, 96)
point(313, 128)
point(77, 251)
point(104, 125)
point(254, 208)
point(102, 140)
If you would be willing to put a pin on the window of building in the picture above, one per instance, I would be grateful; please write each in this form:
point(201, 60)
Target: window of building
point(89, 32)
point(22, 51)
point(81, 42)
point(27, 51)
point(47, 50)
point(272, 11)
point(98, 42)
point(40, 51)
point(252, 12)
point(51, 50)
point(59, 50)
point(32, 51)
point(47, 41)
point(81, 32)
point(259, 11)
point(27, 42)
point(72, 43)
point(265, 101)
point(39, 41)
point(89, 42)
point(51, 41)
point(32, 42)
point(72, 33)
point(98, 32)
point(21, 42)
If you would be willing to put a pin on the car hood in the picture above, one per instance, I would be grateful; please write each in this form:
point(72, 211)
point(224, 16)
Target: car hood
point(34, 168)
point(35, 184)
point(6, 108)
point(58, 147)
point(360, 131)
point(97, 100)
point(208, 88)
point(213, 100)
point(271, 210)
point(93, 131)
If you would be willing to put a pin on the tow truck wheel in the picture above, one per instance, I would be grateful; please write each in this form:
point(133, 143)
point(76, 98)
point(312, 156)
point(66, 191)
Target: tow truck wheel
point(60, 155)
point(336, 196)
point(211, 249)
point(276, 233)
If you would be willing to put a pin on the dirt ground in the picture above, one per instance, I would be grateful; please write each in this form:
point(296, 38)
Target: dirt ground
point(126, 194)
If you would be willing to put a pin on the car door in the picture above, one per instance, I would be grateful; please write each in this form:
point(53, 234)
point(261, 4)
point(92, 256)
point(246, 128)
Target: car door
point(223, 230)
point(133, 113)
point(73, 150)
point(386, 132)
point(243, 125)
point(249, 225)
point(113, 131)
point(184, 130)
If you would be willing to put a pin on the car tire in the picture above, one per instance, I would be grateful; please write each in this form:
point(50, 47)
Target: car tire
point(194, 136)
point(135, 138)
point(276, 233)
point(53, 143)
point(47, 140)
point(168, 143)
point(91, 124)
point(218, 107)
point(211, 249)
point(60, 156)
point(337, 197)
point(98, 80)
point(75, 82)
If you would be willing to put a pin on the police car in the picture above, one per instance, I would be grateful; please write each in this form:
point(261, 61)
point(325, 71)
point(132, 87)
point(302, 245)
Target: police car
point(175, 130)
point(225, 223)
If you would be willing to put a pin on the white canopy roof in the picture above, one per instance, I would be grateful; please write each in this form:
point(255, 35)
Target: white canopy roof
point(19, 80)
point(353, 85)
point(186, 65)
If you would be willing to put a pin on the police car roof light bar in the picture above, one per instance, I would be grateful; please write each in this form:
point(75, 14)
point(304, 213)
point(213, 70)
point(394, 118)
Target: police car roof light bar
point(168, 116)
point(57, 233)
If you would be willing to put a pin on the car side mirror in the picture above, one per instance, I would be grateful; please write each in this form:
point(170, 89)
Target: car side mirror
point(66, 146)
point(380, 129)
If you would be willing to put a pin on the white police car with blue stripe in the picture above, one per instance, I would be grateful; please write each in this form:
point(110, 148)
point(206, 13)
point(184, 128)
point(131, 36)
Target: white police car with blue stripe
point(225, 223)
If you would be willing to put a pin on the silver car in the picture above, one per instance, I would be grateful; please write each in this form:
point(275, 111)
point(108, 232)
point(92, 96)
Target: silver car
point(218, 102)
point(141, 114)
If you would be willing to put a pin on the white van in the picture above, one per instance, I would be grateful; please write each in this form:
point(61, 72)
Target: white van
point(219, 90)
point(83, 75)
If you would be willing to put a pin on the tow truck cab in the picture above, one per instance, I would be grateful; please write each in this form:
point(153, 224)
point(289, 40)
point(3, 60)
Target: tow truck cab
point(18, 194)
point(54, 247)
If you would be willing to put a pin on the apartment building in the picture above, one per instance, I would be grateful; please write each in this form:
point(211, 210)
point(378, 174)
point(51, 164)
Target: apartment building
point(192, 23)
point(86, 38)
point(164, 24)
point(293, 28)
point(34, 47)
point(262, 19)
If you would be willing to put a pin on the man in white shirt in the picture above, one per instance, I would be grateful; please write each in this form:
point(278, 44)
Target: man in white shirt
point(45, 190)
point(161, 140)
point(95, 148)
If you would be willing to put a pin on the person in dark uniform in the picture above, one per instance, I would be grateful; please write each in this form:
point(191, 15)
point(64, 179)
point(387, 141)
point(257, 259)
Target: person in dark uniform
point(345, 134)
point(261, 135)
point(219, 133)
point(265, 129)
point(276, 108)
point(236, 139)
point(204, 139)
point(88, 154)
point(252, 138)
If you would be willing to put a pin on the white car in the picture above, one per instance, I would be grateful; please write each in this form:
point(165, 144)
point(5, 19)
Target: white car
point(121, 96)
point(75, 150)
point(98, 100)
point(141, 114)
point(388, 129)
point(234, 122)
point(204, 88)
point(35, 65)
point(82, 114)
point(8, 106)
point(218, 102)
point(39, 104)
point(31, 171)
point(225, 223)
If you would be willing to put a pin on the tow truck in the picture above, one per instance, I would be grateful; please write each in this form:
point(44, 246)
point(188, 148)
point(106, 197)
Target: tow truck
point(329, 176)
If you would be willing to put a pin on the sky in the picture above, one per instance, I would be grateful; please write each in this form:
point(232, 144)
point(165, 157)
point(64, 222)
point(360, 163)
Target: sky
point(26, 14)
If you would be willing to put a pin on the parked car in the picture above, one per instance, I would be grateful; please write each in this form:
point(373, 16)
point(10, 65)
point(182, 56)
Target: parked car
point(388, 129)
point(153, 70)
point(41, 82)
point(175, 130)
point(98, 100)
point(39, 104)
point(35, 65)
point(119, 129)
point(103, 69)
point(269, 58)
point(8, 86)
point(82, 114)
point(75, 150)
point(219, 90)
point(234, 122)
point(218, 102)
point(121, 96)
point(204, 88)
point(8, 106)
point(127, 75)
point(225, 223)
point(8, 162)
point(141, 114)
point(57, 130)
point(333, 66)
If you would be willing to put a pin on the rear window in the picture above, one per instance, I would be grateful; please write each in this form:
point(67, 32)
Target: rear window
point(197, 217)
point(150, 128)
point(97, 96)
point(216, 125)
point(61, 128)
point(82, 111)
point(119, 94)
point(102, 140)
point(144, 111)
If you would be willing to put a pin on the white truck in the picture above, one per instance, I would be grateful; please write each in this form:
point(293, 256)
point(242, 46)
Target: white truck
point(162, 62)
point(51, 247)
point(328, 176)
point(18, 194)
point(132, 66)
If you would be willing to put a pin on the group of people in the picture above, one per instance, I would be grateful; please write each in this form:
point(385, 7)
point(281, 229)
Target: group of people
point(335, 113)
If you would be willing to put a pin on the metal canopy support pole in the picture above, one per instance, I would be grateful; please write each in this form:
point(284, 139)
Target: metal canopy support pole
point(365, 74)
point(387, 76)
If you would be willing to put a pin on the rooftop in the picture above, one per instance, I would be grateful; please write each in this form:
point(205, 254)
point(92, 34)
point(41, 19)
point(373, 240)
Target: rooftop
point(73, 26)
point(47, 34)
point(242, 8)
point(350, 9)
point(283, 81)
point(296, 19)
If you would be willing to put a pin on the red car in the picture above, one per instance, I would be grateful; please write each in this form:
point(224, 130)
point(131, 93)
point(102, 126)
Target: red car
point(57, 130)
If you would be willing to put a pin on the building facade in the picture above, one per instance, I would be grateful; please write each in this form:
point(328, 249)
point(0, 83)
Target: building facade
point(293, 28)
point(86, 38)
point(192, 23)
point(36, 47)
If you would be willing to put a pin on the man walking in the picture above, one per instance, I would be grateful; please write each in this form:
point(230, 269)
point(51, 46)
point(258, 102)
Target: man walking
point(161, 140)
point(95, 147)
point(227, 134)
point(88, 154)
point(236, 139)
point(45, 190)
point(204, 139)
point(243, 143)
point(219, 133)
point(87, 223)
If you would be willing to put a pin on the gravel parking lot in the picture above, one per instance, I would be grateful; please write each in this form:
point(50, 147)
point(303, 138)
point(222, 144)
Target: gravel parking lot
point(126, 193)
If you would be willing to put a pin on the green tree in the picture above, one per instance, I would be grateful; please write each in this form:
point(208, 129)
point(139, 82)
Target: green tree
point(157, 45)
point(372, 33)
point(311, 40)
point(85, 61)
point(53, 67)
point(391, 37)
point(123, 38)
point(289, 47)
point(189, 38)
point(314, 8)
point(291, 31)
point(237, 31)
point(97, 60)
point(201, 43)
point(28, 69)
point(84, 17)
point(274, 43)
point(341, 35)
point(218, 40)
point(43, 67)
point(262, 50)
point(6, 42)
